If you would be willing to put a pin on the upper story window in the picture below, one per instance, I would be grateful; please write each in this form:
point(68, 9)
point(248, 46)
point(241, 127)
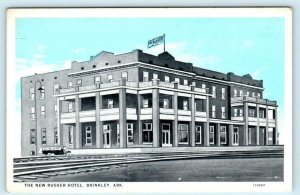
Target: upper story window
point(234, 93)
point(155, 76)
point(177, 80)
point(70, 107)
point(223, 93)
point(235, 112)
point(31, 93)
point(185, 82)
point(42, 94)
point(167, 79)
point(97, 79)
point(44, 138)
point(32, 113)
point(223, 136)
point(241, 112)
point(241, 93)
point(271, 114)
point(258, 95)
point(194, 83)
point(56, 88)
point(185, 105)
point(145, 76)
point(166, 103)
point(70, 84)
point(213, 111)
point(203, 86)
point(110, 78)
point(262, 113)
point(145, 103)
point(124, 76)
point(110, 103)
point(252, 112)
point(223, 112)
point(253, 94)
point(213, 91)
point(247, 93)
point(43, 112)
point(79, 82)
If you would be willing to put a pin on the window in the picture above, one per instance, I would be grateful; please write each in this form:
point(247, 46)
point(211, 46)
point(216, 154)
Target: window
point(185, 82)
point(270, 135)
point(147, 133)
point(79, 82)
point(223, 136)
point(118, 133)
point(42, 94)
point(250, 135)
point(44, 139)
point(223, 112)
point(32, 136)
point(32, 113)
point(251, 112)
point(253, 94)
point(70, 135)
point(183, 133)
point(167, 79)
point(145, 76)
point(223, 93)
point(70, 84)
point(185, 105)
point(124, 76)
point(110, 103)
point(55, 110)
point(211, 135)
point(166, 103)
point(88, 135)
point(43, 112)
point(31, 93)
point(213, 91)
point(55, 136)
point(70, 107)
point(247, 93)
point(145, 103)
point(234, 93)
point(271, 114)
point(110, 78)
point(258, 95)
point(213, 111)
point(235, 112)
point(130, 133)
point(56, 88)
point(177, 80)
point(155, 76)
point(194, 83)
point(241, 93)
point(203, 86)
point(97, 79)
point(198, 137)
point(262, 113)
point(241, 112)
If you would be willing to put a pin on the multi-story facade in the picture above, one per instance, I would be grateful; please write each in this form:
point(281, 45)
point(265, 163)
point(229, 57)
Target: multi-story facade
point(141, 100)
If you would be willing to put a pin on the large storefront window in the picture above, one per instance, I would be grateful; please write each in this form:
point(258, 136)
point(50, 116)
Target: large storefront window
point(147, 133)
point(183, 133)
point(129, 133)
point(88, 135)
point(211, 135)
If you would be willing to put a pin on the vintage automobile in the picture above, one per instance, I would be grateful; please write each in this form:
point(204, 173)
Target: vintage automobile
point(55, 150)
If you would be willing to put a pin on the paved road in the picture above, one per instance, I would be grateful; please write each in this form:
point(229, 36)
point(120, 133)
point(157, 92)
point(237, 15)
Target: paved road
point(245, 169)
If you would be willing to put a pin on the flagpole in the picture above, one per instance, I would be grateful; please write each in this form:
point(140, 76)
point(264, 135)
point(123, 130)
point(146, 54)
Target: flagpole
point(164, 43)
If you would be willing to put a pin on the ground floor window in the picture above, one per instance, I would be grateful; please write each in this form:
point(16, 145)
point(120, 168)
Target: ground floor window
point(183, 133)
point(130, 133)
point(88, 135)
point(211, 135)
point(147, 133)
point(223, 135)
point(32, 136)
point(118, 134)
point(44, 138)
point(270, 135)
point(198, 136)
point(70, 135)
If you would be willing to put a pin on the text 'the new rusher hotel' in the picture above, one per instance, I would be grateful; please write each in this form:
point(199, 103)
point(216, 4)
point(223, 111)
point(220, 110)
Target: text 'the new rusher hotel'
point(137, 100)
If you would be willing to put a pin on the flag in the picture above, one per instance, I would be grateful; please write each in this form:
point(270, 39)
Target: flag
point(156, 41)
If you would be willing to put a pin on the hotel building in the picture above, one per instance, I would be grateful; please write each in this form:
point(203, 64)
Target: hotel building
point(135, 100)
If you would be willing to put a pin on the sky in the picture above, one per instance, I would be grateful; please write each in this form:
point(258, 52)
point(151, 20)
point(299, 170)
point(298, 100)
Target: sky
point(252, 46)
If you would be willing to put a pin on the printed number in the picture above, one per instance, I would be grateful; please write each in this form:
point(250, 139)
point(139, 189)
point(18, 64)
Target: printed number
point(259, 185)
